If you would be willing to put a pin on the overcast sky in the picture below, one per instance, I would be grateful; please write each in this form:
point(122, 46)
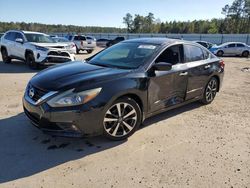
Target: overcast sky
point(107, 12)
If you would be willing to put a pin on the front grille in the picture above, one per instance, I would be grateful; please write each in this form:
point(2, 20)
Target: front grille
point(38, 93)
point(60, 47)
point(64, 54)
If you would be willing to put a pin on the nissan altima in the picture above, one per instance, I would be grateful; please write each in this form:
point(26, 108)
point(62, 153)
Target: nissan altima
point(114, 91)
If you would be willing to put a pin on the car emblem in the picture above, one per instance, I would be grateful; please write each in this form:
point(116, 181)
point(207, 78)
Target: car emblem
point(31, 92)
point(59, 52)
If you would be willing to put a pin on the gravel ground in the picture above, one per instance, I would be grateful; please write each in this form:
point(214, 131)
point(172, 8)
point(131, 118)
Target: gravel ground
point(192, 146)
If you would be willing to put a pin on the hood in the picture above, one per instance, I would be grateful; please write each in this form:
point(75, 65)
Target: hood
point(70, 75)
point(50, 45)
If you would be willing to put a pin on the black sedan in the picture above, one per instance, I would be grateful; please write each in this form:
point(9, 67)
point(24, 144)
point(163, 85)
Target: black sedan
point(113, 92)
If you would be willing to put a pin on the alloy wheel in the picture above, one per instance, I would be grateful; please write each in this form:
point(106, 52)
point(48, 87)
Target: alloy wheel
point(120, 119)
point(211, 90)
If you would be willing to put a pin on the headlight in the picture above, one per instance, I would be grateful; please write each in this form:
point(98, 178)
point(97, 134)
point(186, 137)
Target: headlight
point(41, 48)
point(71, 98)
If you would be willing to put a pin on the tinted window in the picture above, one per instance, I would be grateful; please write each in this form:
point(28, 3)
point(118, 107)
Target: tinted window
point(79, 38)
point(203, 44)
point(19, 35)
point(240, 45)
point(231, 46)
point(70, 37)
point(193, 53)
point(10, 36)
point(206, 54)
point(171, 55)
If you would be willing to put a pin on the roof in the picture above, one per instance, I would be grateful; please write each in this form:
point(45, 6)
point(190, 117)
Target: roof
point(33, 32)
point(156, 41)
point(26, 32)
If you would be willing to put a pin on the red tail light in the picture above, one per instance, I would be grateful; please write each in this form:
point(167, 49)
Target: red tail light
point(222, 64)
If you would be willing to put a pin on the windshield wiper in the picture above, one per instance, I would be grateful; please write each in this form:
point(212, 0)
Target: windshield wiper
point(101, 65)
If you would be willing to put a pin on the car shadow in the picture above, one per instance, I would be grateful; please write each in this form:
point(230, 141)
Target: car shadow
point(25, 150)
point(171, 113)
point(20, 67)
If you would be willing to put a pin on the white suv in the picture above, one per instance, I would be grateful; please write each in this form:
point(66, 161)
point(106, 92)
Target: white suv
point(83, 43)
point(34, 48)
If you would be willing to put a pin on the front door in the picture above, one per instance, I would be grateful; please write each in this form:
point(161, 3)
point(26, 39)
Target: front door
point(167, 88)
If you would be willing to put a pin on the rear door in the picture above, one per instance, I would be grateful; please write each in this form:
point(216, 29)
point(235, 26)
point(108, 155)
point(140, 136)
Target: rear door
point(199, 69)
point(10, 41)
point(168, 88)
point(240, 48)
point(230, 49)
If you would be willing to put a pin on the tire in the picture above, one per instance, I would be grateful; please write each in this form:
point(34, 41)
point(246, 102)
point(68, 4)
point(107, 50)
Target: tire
point(89, 51)
point(245, 54)
point(77, 51)
point(220, 53)
point(5, 57)
point(30, 60)
point(120, 124)
point(210, 91)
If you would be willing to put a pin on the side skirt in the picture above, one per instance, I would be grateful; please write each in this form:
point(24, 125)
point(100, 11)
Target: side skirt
point(172, 107)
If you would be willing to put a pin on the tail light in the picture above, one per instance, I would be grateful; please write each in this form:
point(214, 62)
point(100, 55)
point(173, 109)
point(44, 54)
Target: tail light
point(82, 43)
point(222, 64)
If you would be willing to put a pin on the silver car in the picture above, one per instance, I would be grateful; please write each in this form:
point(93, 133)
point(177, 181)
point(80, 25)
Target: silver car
point(71, 45)
point(231, 48)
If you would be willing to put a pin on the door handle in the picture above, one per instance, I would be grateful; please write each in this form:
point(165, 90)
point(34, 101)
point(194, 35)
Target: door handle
point(183, 74)
point(207, 66)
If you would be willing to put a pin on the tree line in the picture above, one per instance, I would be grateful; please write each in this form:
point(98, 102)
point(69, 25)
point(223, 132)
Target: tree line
point(237, 20)
point(50, 28)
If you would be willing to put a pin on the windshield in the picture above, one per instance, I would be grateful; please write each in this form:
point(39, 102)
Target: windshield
point(124, 55)
point(60, 39)
point(39, 38)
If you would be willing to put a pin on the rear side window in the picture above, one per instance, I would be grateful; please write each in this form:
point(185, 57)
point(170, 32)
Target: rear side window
point(10, 36)
point(206, 54)
point(240, 45)
point(193, 53)
point(231, 46)
point(79, 38)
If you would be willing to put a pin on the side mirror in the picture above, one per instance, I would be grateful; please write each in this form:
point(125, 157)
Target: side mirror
point(162, 66)
point(19, 40)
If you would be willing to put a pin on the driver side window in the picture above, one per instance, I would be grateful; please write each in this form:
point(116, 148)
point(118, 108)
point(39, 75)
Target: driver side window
point(172, 55)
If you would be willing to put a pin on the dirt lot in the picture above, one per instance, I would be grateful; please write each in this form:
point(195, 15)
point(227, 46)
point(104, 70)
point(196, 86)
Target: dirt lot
point(193, 146)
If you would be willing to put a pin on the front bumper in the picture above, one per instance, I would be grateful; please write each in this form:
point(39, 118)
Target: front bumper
point(67, 121)
point(53, 56)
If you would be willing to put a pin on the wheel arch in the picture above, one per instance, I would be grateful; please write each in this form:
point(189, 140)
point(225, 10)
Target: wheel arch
point(218, 79)
point(3, 47)
point(27, 52)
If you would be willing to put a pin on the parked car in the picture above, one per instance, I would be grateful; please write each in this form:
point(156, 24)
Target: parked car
point(115, 41)
point(33, 47)
point(102, 42)
point(1, 34)
point(82, 43)
point(231, 48)
point(63, 40)
point(206, 44)
point(91, 38)
point(113, 92)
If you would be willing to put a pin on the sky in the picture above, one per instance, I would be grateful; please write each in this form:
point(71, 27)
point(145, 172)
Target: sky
point(107, 13)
